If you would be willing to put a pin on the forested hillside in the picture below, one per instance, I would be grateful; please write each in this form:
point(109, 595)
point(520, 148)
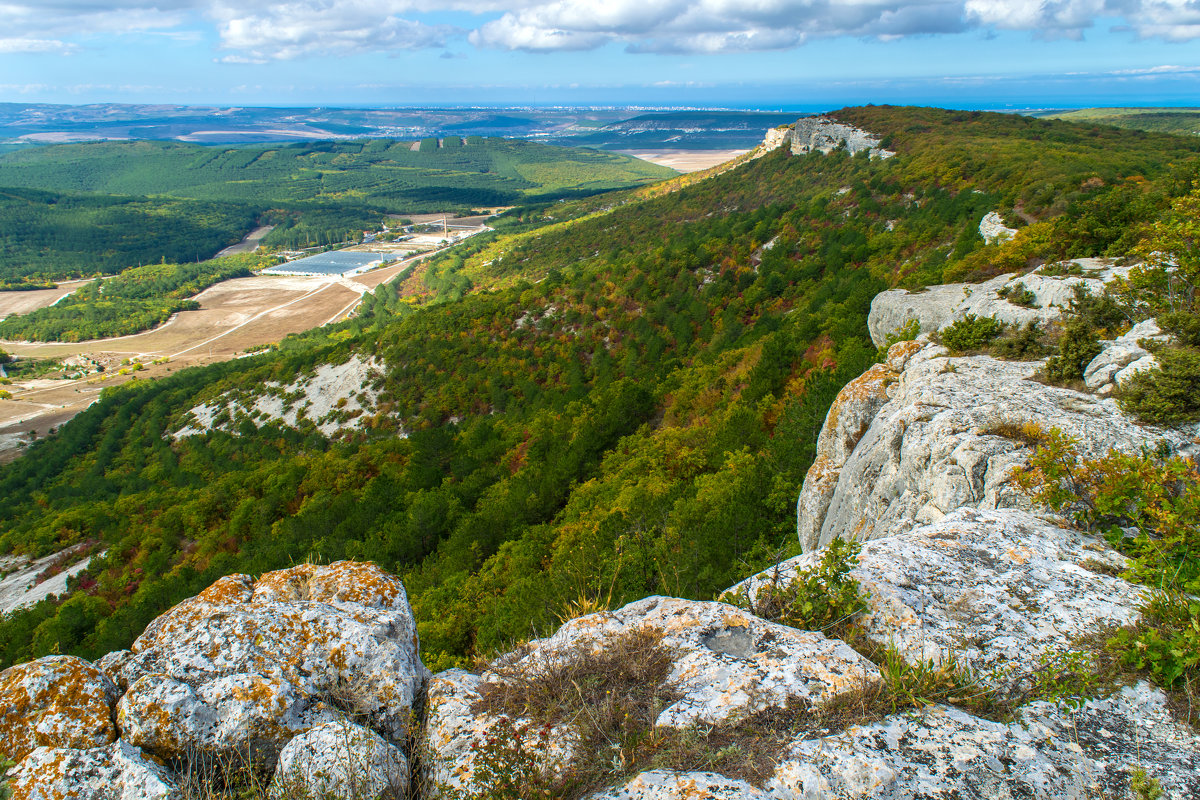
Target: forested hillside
point(609, 400)
point(100, 207)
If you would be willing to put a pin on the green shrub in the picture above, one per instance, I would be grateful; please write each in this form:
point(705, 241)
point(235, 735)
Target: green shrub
point(1018, 294)
point(1023, 344)
point(1078, 346)
point(971, 333)
point(1166, 645)
point(1167, 395)
point(1185, 327)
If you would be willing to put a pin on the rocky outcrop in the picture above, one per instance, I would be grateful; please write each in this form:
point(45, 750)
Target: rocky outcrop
point(1122, 358)
point(777, 138)
point(943, 441)
point(993, 229)
point(56, 701)
point(117, 772)
point(824, 135)
point(939, 306)
point(341, 761)
point(667, 785)
point(999, 592)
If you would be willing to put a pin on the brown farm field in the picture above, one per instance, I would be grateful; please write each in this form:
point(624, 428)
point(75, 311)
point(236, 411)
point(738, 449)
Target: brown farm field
point(234, 315)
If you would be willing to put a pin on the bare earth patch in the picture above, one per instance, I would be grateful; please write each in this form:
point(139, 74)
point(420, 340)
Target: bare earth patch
point(685, 160)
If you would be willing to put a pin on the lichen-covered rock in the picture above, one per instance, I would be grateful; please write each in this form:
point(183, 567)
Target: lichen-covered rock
point(111, 665)
point(454, 732)
point(341, 761)
point(343, 634)
point(117, 772)
point(1047, 754)
point(250, 715)
point(727, 663)
point(997, 589)
point(935, 307)
point(993, 229)
point(56, 701)
point(944, 441)
point(666, 785)
point(1122, 358)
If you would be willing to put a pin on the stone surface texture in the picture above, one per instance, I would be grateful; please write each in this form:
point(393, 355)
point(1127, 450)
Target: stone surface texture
point(1047, 754)
point(341, 761)
point(993, 229)
point(824, 135)
point(938, 443)
point(666, 785)
point(454, 730)
point(994, 589)
point(342, 634)
point(55, 701)
point(1122, 358)
point(936, 307)
point(727, 663)
point(241, 713)
point(117, 772)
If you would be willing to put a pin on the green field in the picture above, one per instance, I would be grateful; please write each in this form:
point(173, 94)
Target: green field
point(1180, 121)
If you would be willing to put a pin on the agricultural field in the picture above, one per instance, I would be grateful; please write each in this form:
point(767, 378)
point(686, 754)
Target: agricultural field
point(1180, 121)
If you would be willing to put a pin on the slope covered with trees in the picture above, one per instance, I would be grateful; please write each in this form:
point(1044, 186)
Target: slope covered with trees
point(604, 399)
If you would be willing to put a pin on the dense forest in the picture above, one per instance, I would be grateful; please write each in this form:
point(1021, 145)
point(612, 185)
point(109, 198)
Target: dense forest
point(82, 209)
point(603, 399)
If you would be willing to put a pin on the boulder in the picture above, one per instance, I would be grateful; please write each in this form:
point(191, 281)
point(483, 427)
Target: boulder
point(947, 438)
point(1048, 753)
point(341, 761)
point(936, 307)
point(455, 731)
point(56, 701)
point(341, 634)
point(726, 662)
point(993, 229)
point(1122, 358)
point(244, 715)
point(997, 590)
point(667, 785)
point(117, 772)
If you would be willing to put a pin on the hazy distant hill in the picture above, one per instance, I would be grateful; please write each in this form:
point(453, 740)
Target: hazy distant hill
point(1183, 121)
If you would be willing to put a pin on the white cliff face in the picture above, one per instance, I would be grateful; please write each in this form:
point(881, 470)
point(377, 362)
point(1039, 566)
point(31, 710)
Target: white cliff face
point(993, 229)
point(938, 443)
point(937, 307)
point(824, 135)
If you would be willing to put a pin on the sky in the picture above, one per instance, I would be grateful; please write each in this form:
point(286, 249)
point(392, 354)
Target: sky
point(771, 54)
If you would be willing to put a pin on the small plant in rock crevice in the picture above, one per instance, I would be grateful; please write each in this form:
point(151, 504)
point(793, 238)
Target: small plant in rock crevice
point(970, 334)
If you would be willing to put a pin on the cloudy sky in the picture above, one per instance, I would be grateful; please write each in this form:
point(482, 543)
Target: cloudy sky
point(749, 53)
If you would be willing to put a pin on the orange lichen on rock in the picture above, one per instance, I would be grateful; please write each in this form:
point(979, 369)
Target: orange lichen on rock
point(56, 701)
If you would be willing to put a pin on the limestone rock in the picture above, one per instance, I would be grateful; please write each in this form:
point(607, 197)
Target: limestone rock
point(940, 443)
point(995, 589)
point(343, 634)
point(777, 137)
point(250, 715)
point(341, 761)
point(666, 785)
point(1047, 754)
point(454, 731)
point(1122, 358)
point(993, 229)
point(727, 663)
point(56, 701)
point(823, 135)
point(936, 307)
point(117, 772)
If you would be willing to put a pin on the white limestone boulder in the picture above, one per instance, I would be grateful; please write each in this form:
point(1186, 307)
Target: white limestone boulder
point(117, 772)
point(456, 729)
point(1047, 754)
point(1122, 358)
point(939, 443)
point(993, 229)
point(936, 307)
point(341, 761)
point(246, 715)
point(996, 590)
point(55, 701)
point(726, 663)
point(667, 785)
point(342, 634)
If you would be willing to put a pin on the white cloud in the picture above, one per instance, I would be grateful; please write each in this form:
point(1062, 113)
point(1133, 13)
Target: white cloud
point(255, 31)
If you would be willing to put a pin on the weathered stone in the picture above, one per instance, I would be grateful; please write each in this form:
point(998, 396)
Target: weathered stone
point(936, 307)
point(56, 701)
point(341, 761)
point(252, 716)
point(111, 664)
point(993, 229)
point(117, 772)
point(454, 732)
point(824, 135)
point(727, 663)
point(666, 785)
point(343, 634)
point(941, 442)
point(1122, 358)
point(994, 589)
point(1047, 754)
